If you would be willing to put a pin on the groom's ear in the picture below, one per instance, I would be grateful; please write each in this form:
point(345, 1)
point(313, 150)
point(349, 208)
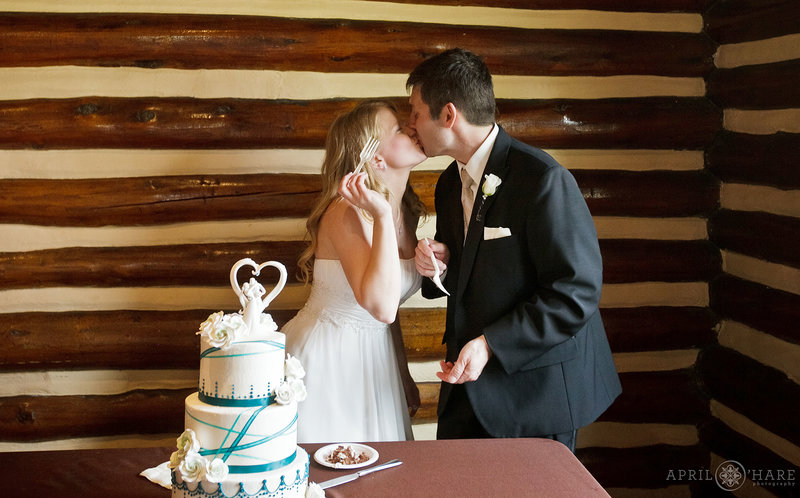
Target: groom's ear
point(449, 115)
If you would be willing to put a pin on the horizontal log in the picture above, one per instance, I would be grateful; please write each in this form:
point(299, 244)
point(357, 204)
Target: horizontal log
point(42, 418)
point(731, 445)
point(335, 45)
point(735, 21)
point(105, 339)
point(179, 122)
point(773, 311)
point(613, 5)
point(156, 200)
point(655, 328)
point(143, 265)
point(174, 199)
point(152, 339)
point(165, 339)
point(760, 235)
point(631, 260)
point(649, 193)
point(669, 397)
point(761, 393)
point(624, 261)
point(757, 159)
point(648, 397)
point(670, 122)
point(760, 86)
point(642, 467)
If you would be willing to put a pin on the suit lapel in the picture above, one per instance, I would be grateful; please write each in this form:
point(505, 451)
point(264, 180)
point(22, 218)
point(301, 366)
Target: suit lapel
point(496, 165)
point(453, 228)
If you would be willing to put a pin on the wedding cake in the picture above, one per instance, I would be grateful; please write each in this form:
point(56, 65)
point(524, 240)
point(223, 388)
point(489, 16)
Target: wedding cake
point(241, 425)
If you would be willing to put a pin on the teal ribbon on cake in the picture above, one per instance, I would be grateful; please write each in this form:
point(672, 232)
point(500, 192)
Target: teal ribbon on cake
point(208, 351)
point(235, 446)
point(238, 403)
point(252, 469)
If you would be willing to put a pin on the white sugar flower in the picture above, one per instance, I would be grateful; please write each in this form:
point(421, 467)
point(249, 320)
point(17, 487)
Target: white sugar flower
point(216, 471)
point(221, 337)
point(298, 388)
point(212, 322)
point(229, 329)
point(175, 459)
point(490, 185)
point(267, 323)
point(314, 490)
point(187, 442)
point(293, 368)
point(193, 467)
point(235, 322)
point(284, 394)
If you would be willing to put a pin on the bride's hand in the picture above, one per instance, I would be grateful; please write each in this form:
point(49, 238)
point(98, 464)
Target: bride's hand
point(353, 189)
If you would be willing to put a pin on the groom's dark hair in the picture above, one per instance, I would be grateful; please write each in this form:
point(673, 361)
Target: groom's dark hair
point(456, 76)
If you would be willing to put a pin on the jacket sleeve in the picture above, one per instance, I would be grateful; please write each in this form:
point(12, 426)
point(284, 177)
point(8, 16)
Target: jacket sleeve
point(562, 246)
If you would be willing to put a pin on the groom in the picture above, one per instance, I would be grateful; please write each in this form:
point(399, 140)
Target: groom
point(527, 354)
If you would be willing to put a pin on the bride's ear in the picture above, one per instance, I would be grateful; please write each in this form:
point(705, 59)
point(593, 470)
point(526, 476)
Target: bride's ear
point(378, 162)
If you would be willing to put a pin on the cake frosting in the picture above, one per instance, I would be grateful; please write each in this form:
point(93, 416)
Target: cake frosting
point(241, 424)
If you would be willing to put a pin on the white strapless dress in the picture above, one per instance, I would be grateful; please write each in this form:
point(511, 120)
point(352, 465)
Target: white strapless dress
point(353, 382)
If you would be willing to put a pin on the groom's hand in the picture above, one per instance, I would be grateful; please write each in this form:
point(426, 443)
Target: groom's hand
point(469, 365)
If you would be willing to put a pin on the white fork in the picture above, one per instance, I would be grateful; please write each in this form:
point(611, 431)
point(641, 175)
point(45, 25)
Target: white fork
point(366, 153)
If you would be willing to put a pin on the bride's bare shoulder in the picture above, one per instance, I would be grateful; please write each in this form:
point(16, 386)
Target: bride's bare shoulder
point(342, 215)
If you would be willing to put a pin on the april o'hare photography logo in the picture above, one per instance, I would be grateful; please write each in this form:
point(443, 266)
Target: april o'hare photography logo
point(730, 475)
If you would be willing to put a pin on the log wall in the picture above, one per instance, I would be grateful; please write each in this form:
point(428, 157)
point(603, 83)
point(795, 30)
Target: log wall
point(752, 375)
point(143, 151)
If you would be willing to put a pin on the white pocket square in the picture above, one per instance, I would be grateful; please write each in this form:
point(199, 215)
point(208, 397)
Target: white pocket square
point(490, 233)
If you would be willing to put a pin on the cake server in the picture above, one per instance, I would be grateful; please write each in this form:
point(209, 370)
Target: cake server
point(352, 477)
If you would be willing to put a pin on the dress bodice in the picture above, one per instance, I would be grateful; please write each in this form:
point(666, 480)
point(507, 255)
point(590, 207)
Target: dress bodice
point(331, 291)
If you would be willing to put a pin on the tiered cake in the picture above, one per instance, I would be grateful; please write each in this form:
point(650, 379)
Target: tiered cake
point(241, 427)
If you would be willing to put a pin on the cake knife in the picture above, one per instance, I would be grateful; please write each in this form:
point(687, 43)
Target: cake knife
point(352, 477)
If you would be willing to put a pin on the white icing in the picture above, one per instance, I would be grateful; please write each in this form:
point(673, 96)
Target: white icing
point(274, 429)
point(241, 437)
point(287, 482)
point(248, 369)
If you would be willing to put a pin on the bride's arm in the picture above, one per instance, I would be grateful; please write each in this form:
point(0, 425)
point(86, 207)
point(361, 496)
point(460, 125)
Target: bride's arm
point(367, 251)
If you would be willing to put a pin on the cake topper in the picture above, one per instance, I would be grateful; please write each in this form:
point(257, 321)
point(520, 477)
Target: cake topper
point(251, 292)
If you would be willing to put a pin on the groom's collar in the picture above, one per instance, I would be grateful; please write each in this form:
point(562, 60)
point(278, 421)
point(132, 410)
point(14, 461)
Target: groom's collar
point(477, 163)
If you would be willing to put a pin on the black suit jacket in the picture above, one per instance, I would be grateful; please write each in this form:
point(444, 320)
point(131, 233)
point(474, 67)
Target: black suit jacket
point(533, 294)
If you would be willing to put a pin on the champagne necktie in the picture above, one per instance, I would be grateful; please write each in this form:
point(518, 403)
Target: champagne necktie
point(467, 197)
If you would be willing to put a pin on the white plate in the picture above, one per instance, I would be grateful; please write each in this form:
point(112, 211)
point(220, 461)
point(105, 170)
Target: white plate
point(321, 454)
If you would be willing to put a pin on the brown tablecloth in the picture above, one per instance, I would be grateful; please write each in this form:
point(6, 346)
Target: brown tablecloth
point(464, 468)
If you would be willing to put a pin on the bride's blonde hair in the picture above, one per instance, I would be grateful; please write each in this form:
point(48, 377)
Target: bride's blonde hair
point(347, 136)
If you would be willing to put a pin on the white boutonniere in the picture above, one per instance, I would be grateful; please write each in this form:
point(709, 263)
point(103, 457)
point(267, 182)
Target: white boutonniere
point(490, 184)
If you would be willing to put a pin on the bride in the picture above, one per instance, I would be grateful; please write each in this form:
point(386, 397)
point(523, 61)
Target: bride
point(361, 256)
